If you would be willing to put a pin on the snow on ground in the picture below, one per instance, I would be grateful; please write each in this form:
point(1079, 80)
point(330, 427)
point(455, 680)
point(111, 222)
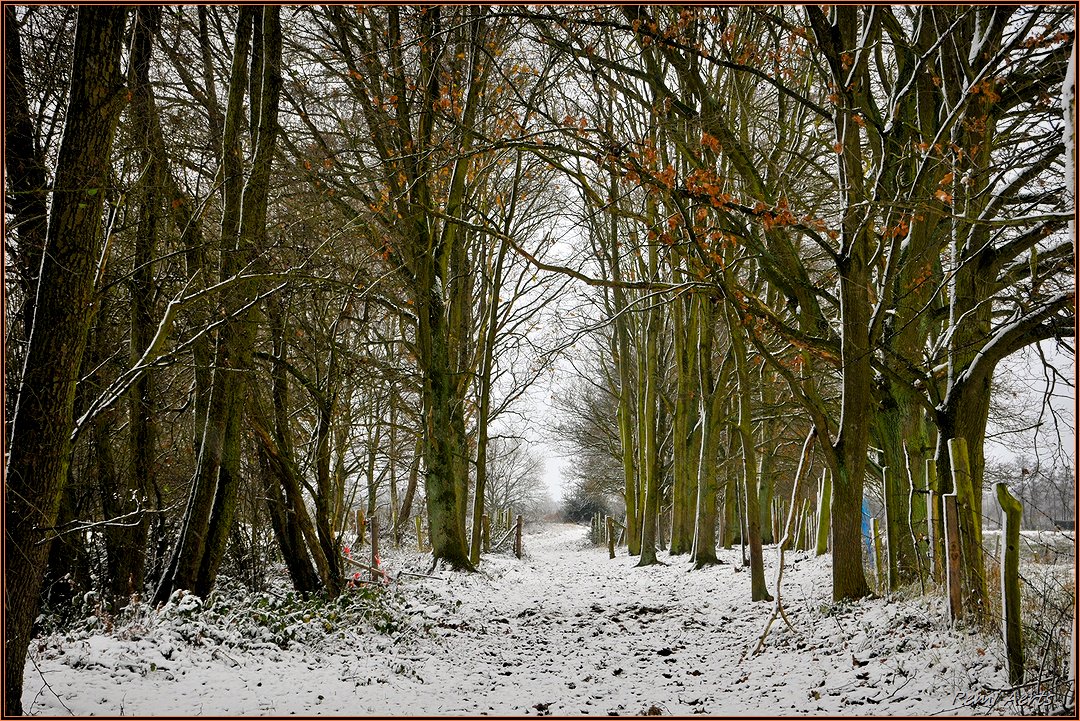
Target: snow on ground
point(563, 631)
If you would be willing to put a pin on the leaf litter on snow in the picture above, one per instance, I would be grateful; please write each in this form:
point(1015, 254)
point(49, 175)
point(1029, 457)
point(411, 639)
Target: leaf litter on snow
point(562, 631)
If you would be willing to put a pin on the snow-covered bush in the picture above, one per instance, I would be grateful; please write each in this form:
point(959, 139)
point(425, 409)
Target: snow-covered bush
point(235, 617)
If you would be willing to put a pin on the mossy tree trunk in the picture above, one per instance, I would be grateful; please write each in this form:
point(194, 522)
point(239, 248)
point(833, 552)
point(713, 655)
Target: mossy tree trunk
point(37, 466)
point(212, 501)
point(686, 432)
point(713, 398)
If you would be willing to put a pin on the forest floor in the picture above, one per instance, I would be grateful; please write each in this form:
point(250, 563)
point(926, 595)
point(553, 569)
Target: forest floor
point(564, 631)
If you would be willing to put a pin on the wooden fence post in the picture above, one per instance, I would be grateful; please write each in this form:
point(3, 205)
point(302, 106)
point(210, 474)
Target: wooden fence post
point(611, 537)
point(970, 524)
point(937, 532)
point(517, 536)
point(419, 534)
point(882, 574)
point(485, 532)
point(1010, 583)
point(937, 540)
point(918, 522)
point(824, 513)
point(375, 548)
point(952, 556)
point(361, 530)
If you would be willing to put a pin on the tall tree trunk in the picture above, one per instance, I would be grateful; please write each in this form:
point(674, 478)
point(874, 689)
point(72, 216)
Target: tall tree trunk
point(326, 498)
point(766, 481)
point(275, 453)
point(649, 426)
point(129, 576)
point(758, 590)
point(440, 447)
point(405, 512)
point(212, 502)
point(41, 432)
point(621, 356)
point(189, 551)
point(902, 429)
point(393, 463)
point(432, 253)
point(461, 341)
point(848, 449)
point(686, 432)
point(712, 398)
point(250, 239)
point(484, 411)
point(276, 449)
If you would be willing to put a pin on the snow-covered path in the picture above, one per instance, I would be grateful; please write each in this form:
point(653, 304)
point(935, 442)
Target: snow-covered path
point(570, 631)
point(564, 631)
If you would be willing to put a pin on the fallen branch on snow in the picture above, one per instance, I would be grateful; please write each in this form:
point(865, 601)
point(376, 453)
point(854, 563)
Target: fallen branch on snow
point(778, 606)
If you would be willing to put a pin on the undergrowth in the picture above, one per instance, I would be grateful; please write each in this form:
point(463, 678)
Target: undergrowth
point(235, 617)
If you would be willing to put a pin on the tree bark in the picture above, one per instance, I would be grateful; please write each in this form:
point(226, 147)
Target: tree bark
point(41, 432)
point(440, 482)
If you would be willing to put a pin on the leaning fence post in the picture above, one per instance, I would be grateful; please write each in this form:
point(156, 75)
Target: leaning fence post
point(1010, 584)
point(419, 534)
point(611, 537)
point(374, 548)
point(952, 556)
point(517, 537)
